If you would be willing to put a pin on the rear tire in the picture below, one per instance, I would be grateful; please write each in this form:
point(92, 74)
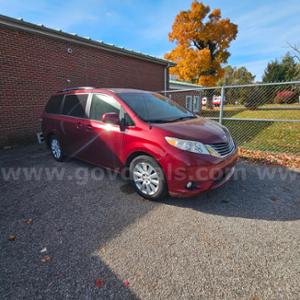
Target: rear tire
point(147, 177)
point(56, 148)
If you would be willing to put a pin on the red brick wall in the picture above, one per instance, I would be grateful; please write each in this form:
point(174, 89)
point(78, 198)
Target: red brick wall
point(34, 66)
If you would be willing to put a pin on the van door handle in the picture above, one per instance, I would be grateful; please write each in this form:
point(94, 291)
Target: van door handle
point(78, 125)
point(89, 127)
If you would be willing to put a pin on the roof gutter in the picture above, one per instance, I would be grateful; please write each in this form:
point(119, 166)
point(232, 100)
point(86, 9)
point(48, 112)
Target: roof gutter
point(58, 34)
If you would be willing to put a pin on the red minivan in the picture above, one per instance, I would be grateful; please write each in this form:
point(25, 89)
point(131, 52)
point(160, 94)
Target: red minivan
point(163, 147)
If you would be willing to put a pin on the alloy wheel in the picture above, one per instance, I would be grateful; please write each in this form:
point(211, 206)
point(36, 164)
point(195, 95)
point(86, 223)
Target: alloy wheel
point(55, 148)
point(146, 178)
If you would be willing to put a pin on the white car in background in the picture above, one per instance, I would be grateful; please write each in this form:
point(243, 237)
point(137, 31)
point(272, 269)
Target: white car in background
point(216, 101)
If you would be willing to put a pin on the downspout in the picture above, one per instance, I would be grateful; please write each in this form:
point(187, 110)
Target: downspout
point(165, 78)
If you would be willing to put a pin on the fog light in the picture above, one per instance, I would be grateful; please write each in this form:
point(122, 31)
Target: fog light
point(189, 185)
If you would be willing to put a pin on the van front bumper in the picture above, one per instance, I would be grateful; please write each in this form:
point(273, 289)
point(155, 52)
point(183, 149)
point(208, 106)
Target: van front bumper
point(191, 174)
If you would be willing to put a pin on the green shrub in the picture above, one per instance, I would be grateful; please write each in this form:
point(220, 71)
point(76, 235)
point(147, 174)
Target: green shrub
point(254, 97)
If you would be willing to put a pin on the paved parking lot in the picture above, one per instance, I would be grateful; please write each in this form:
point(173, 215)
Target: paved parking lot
point(104, 241)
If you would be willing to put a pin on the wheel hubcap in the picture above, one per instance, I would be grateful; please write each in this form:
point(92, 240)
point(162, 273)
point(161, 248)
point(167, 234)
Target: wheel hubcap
point(55, 148)
point(146, 178)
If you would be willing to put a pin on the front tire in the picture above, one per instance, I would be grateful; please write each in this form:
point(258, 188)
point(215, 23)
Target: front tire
point(55, 148)
point(148, 178)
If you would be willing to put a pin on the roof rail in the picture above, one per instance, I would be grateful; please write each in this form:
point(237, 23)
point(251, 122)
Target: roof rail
point(77, 88)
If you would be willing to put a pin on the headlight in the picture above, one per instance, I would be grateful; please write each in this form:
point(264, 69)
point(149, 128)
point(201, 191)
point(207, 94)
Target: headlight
point(186, 145)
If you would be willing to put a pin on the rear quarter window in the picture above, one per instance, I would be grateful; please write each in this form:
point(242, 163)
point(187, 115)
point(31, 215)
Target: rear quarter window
point(54, 104)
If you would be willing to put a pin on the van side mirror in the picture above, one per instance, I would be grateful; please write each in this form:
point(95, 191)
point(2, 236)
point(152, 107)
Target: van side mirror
point(111, 118)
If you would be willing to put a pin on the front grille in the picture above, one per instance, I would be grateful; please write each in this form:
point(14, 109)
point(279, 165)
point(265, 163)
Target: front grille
point(224, 148)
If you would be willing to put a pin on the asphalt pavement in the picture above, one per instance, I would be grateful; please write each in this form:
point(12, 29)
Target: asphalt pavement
point(85, 234)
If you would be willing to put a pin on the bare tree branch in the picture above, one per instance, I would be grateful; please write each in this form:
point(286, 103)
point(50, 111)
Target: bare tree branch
point(296, 50)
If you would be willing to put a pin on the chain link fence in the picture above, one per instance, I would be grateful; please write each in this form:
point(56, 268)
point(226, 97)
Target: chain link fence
point(264, 117)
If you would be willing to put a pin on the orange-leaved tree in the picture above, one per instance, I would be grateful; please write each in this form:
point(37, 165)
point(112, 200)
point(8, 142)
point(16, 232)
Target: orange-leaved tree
point(202, 38)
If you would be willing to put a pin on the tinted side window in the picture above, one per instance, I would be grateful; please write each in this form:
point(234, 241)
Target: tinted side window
point(53, 105)
point(102, 104)
point(74, 105)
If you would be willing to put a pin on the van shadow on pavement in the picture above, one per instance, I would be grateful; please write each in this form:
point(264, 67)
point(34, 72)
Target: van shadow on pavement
point(71, 220)
point(255, 192)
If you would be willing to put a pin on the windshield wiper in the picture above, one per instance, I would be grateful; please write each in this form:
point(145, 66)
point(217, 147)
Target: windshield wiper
point(170, 120)
point(182, 118)
point(157, 121)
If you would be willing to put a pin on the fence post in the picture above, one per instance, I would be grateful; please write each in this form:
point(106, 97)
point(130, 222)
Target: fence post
point(222, 104)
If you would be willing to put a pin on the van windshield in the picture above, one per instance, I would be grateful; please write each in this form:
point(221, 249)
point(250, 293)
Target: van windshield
point(153, 107)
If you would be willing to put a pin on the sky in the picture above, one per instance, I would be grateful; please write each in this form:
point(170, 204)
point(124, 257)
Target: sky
point(265, 27)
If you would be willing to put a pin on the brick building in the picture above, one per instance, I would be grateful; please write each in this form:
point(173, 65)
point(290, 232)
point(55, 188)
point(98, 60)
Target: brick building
point(36, 61)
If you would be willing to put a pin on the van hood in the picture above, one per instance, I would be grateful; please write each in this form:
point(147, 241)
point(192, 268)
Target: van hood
point(198, 129)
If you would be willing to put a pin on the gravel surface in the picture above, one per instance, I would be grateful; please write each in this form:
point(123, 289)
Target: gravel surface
point(104, 241)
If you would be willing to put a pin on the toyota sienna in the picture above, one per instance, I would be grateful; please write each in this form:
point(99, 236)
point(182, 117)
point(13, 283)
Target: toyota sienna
point(163, 147)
